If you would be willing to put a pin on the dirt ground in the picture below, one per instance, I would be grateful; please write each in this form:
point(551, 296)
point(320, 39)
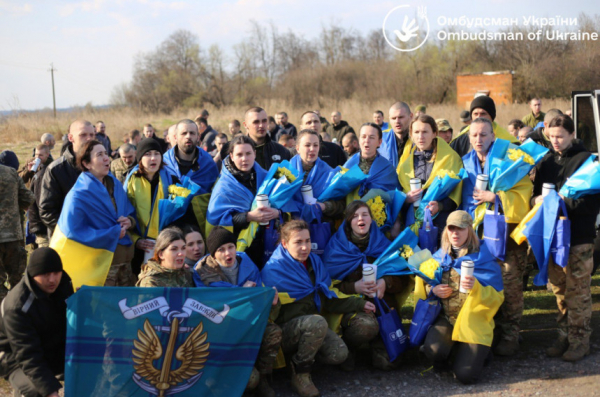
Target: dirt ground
point(529, 373)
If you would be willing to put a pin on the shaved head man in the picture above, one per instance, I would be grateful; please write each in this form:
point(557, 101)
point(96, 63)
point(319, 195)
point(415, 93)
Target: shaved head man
point(394, 142)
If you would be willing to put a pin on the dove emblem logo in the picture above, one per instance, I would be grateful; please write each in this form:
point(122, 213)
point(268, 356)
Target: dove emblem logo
point(406, 28)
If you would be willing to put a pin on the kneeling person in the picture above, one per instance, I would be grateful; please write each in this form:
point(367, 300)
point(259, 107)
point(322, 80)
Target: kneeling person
point(304, 288)
point(225, 267)
point(33, 327)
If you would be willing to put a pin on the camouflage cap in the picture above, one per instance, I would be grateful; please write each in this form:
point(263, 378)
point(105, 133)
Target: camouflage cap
point(460, 219)
point(443, 125)
point(421, 108)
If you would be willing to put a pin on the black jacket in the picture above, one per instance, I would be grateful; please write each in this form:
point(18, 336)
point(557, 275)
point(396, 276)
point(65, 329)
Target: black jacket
point(33, 333)
point(59, 178)
point(556, 169)
point(267, 154)
point(332, 153)
point(538, 137)
point(36, 225)
point(461, 145)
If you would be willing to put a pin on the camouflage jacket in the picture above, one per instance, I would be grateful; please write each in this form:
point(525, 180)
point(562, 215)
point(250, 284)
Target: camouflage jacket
point(27, 175)
point(119, 169)
point(154, 275)
point(451, 306)
point(15, 199)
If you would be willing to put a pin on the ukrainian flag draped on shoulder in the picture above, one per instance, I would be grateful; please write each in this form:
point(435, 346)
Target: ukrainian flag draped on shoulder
point(507, 166)
point(389, 148)
point(318, 177)
point(247, 272)
point(204, 174)
point(292, 280)
point(342, 257)
point(229, 196)
point(163, 341)
point(475, 322)
point(382, 175)
point(446, 178)
point(87, 232)
point(145, 202)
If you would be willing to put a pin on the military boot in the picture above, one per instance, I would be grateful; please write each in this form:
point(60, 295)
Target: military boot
point(381, 360)
point(507, 347)
point(302, 382)
point(576, 352)
point(264, 389)
point(559, 347)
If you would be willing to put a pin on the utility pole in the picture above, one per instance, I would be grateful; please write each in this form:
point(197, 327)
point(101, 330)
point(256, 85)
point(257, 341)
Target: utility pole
point(53, 95)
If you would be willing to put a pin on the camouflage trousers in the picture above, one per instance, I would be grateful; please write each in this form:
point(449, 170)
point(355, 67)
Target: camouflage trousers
point(571, 286)
point(269, 348)
point(13, 261)
point(120, 275)
point(359, 328)
point(511, 310)
point(309, 338)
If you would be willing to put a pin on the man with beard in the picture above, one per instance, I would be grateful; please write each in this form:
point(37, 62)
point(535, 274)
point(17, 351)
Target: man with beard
point(187, 159)
point(120, 167)
point(350, 144)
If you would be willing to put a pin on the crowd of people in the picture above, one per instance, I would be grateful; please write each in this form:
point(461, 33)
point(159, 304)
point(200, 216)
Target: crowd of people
point(324, 307)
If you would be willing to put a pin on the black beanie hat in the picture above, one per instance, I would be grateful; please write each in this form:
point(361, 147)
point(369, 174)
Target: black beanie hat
point(145, 146)
point(486, 103)
point(219, 236)
point(9, 159)
point(44, 260)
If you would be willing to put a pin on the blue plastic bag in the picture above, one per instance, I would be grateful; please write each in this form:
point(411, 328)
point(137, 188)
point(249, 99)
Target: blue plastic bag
point(428, 234)
point(584, 181)
point(495, 232)
point(320, 232)
point(561, 241)
point(391, 330)
point(271, 238)
point(426, 312)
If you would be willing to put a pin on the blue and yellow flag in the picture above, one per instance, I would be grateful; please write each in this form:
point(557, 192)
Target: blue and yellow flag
point(163, 341)
point(475, 322)
point(342, 257)
point(538, 228)
point(248, 271)
point(204, 174)
point(229, 197)
point(584, 181)
point(341, 181)
point(389, 148)
point(145, 202)
point(514, 190)
point(87, 232)
point(317, 177)
point(382, 175)
point(292, 281)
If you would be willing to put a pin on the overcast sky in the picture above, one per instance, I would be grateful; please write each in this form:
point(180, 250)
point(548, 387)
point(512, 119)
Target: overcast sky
point(92, 43)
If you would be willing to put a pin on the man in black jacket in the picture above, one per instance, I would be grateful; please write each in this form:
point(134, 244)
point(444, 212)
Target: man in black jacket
point(570, 284)
point(539, 135)
point(61, 175)
point(267, 151)
point(329, 152)
point(33, 327)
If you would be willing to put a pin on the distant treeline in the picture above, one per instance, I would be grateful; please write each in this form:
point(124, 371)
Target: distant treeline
point(341, 64)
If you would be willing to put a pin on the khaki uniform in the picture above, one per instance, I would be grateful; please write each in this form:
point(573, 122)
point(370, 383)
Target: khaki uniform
point(571, 285)
point(119, 169)
point(451, 306)
point(15, 199)
point(513, 268)
point(154, 275)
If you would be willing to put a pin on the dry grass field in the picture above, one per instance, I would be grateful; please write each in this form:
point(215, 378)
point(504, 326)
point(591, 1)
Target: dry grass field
point(27, 127)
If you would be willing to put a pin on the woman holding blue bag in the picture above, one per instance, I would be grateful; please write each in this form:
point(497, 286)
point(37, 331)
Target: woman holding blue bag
point(571, 283)
point(359, 241)
point(429, 157)
point(463, 331)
